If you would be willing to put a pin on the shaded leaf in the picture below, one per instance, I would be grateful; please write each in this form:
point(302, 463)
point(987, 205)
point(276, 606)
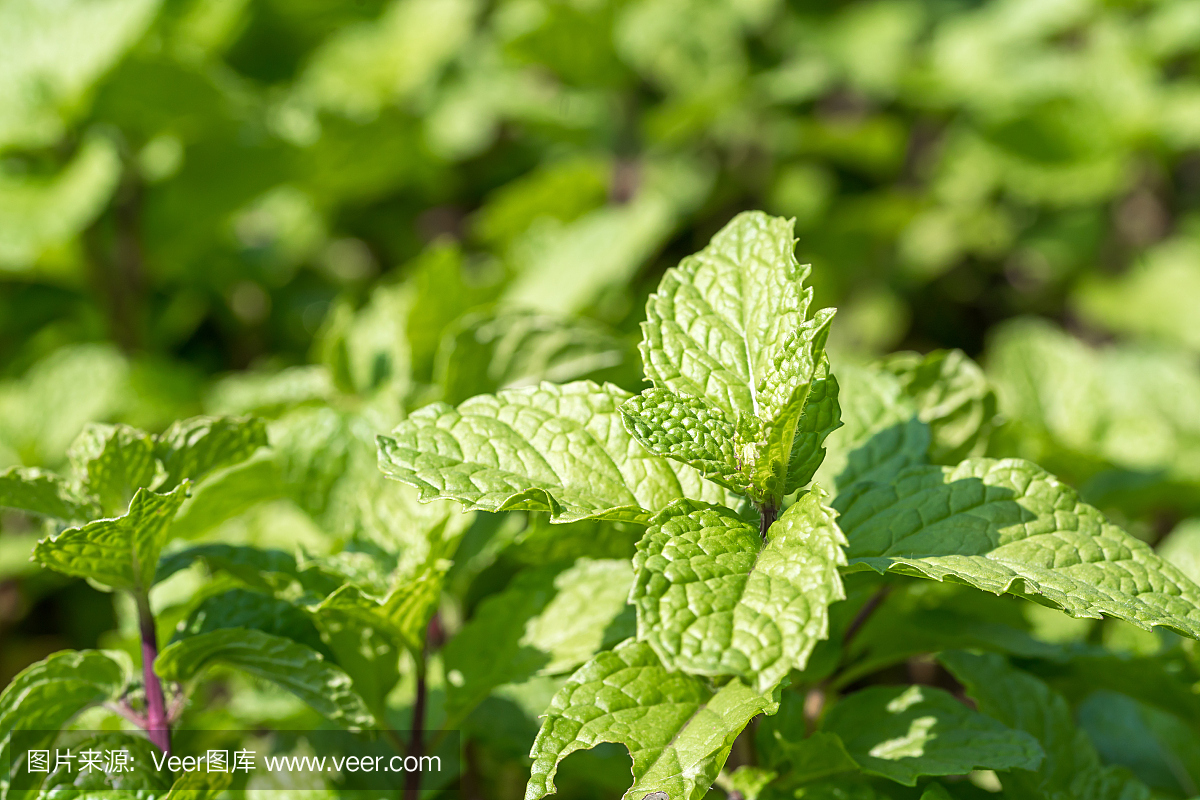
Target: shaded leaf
point(1009, 526)
point(904, 732)
point(294, 667)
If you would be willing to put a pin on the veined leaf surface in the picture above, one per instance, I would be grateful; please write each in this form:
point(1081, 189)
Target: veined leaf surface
point(561, 449)
point(678, 730)
point(1009, 526)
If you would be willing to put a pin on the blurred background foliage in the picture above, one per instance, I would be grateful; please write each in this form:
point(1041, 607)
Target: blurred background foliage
point(329, 212)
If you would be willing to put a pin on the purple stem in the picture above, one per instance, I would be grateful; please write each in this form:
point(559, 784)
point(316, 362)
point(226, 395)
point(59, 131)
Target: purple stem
point(157, 726)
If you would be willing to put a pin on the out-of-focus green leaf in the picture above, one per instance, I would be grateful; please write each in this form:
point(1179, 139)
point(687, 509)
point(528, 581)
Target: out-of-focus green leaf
point(547, 621)
point(903, 733)
point(41, 214)
point(192, 448)
point(52, 55)
point(952, 397)
point(372, 64)
point(1071, 767)
point(484, 353)
point(37, 492)
point(565, 266)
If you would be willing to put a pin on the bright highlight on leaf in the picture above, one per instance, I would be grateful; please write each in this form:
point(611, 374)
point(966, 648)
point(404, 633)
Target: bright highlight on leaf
point(677, 729)
point(551, 448)
point(713, 599)
point(730, 325)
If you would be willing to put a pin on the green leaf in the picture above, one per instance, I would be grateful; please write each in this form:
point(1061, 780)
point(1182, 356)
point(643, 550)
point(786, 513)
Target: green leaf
point(113, 462)
point(729, 324)
point(242, 608)
point(402, 615)
point(952, 396)
point(820, 755)
point(688, 429)
point(45, 696)
point(38, 492)
point(547, 621)
point(485, 353)
point(822, 416)
point(192, 448)
point(199, 785)
point(1009, 526)
point(230, 493)
point(140, 780)
point(121, 553)
point(1162, 749)
point(678, 730)
point(713, 599)
point(268, 569)
point(881, 434)
point(904, 732)
point(1071, 767)
point(294, 667)
point(39, 214)
point(551, 448)
point(53, 56)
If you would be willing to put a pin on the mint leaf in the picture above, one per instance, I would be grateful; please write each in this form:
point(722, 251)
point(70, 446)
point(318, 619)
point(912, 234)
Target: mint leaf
point(812, 758)
point(37, 492)
point(139, 778)
point(242, 608)
point(678, 730)
point(254, 566)
point(952, 396)
point(484, 353)
point(292, 666)
point(121, 553)
point(1009, 526)
point(548, 621)
point(904, 732)
point(881, 432)
point(112, 462)
point(199, 785)
point(551, 448)
point(688, 429)
point(230, 493)
point(192, 448)
point(1071, 767)
point(822, 416)
point(729, 324)
point(402, 615)
point(46, 695)
point(713, 599)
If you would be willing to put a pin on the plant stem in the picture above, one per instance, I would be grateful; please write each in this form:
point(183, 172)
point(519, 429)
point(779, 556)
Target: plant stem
point(864, 614)
point(766, 518)
point(157, 726)
point(416, 745)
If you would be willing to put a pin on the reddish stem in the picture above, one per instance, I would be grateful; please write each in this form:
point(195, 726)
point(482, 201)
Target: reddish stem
point(157, 726)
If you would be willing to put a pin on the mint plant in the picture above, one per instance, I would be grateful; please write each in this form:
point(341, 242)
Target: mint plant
point(745, 562)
